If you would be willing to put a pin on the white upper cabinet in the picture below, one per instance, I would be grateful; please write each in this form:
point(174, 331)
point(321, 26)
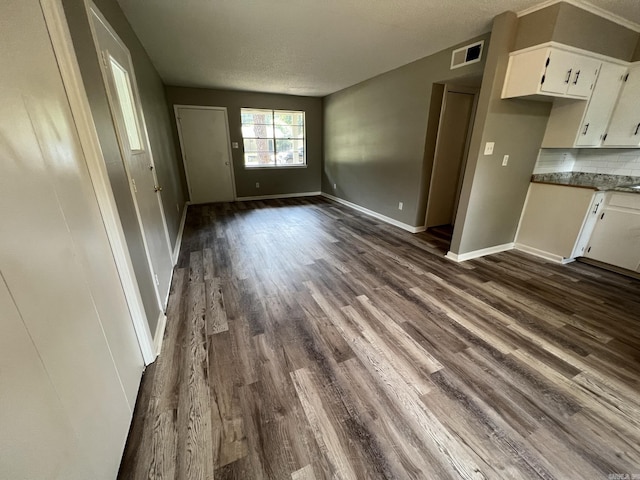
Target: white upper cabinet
point(624, 128)
point(583, 124)
point(547, 71)
point(569, 74)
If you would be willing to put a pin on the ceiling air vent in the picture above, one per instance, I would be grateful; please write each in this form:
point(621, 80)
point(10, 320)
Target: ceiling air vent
point(467, 55)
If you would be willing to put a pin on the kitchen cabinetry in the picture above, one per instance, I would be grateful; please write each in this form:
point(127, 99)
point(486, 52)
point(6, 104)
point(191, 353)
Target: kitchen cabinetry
point(584, 124)
point(624, 129)
point(557, 221)
point(616, 236)
point(548, 71)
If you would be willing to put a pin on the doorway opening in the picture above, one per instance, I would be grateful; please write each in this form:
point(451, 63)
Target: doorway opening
point(455, 124)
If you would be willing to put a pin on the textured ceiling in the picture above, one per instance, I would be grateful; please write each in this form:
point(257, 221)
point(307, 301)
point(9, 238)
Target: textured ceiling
point(308, 47)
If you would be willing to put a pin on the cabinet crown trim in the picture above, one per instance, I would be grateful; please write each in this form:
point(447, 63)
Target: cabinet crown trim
point(569, 48)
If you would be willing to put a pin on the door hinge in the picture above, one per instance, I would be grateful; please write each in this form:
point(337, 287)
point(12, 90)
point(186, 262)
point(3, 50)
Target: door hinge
point(133, 184)
point(104, 59)
point(157, 280)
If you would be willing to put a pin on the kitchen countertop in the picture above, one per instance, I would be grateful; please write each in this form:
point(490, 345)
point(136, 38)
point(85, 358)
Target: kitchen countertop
point(595, 181)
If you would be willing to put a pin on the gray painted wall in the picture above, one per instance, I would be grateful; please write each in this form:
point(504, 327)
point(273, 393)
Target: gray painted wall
point(375, 137)
point(168, 168)
point(493, 196)
point(568, 24)
point(537, 27)
point(636, 54)
point(273, 181)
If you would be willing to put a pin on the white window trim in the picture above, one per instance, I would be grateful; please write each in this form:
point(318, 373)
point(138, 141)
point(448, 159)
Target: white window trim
point(275, 166)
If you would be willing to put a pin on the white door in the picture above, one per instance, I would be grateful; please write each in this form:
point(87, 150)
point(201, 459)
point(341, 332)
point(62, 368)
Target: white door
point(126, 111)
point(204, 139)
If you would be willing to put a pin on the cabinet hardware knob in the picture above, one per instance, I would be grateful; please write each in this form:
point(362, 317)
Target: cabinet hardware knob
point(575, 81)
point(568, 76)
point(586, 127)
point(637, 128)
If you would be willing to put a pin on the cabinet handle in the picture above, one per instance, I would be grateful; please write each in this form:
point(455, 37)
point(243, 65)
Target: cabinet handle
point(568, 76)
point(637, 128)
point(575, 81)
point(586, 127)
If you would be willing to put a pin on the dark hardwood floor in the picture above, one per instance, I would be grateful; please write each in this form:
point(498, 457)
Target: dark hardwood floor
point(305, 340)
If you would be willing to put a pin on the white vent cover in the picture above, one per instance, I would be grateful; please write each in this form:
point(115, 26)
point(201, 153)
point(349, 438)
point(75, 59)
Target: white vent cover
point(467, 55)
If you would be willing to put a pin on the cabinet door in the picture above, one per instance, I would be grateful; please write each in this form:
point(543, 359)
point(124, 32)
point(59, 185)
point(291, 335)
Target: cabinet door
point(603, 99)
point(616, 239)
point(583, 76)
point(624, 129)
point(559, 72)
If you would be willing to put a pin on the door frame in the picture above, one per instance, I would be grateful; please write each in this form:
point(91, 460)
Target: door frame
point(92, 9)
point(448, 87)
point(64, 51)
point(229, 149)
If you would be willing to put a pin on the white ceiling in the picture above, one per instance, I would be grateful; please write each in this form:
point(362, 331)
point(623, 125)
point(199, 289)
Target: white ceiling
point(308, 47)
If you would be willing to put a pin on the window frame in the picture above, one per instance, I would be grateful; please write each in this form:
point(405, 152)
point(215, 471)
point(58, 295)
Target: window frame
point(130, 118)
point(274, 138)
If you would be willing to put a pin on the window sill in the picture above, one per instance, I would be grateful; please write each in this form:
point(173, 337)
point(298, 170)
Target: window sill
point(274, 167)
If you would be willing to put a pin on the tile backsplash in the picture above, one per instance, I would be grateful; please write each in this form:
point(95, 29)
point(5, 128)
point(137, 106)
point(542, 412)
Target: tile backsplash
point(604, 161)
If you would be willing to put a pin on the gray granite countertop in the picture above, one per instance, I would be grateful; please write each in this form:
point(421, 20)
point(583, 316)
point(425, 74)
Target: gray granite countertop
point(597, 181)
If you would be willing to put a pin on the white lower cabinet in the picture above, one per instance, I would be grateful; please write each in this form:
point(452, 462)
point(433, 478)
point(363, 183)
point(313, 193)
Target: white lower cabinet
point(616, 236)
point(557, 221)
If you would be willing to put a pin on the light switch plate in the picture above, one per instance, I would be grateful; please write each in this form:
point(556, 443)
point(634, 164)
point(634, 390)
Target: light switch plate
point(505, 160)
point(488, 148)
point(234, 144)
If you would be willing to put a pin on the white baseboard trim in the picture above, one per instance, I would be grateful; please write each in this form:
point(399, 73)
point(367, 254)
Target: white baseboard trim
point(157, 338)
point(462, 257)
point(384, 218)
point(279, 195)
point(176, 249)
point(552, 257)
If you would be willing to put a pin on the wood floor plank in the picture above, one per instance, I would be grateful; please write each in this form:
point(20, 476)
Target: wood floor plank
point(307, 341)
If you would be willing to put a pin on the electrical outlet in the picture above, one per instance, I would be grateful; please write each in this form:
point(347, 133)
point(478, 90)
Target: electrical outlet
point(488, 148)
point(335, 186)
point(257, 184)
point(505, 160)
point(400, 205)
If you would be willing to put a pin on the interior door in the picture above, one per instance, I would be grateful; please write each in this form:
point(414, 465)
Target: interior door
point(124, 102)
point(204, 138)
point(451, 149)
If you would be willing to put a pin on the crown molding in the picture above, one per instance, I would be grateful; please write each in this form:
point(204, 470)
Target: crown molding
point(584, 6)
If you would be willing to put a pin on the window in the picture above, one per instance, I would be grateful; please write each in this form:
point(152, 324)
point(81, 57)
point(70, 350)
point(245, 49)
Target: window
point(273, 138)
point(127, 105)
